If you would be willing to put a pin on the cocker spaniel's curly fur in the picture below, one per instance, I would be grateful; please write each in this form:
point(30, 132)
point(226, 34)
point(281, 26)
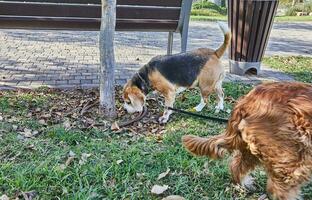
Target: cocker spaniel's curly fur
point(270, 126)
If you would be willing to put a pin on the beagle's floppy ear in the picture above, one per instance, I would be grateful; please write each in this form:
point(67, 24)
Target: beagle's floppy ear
point(137, 98)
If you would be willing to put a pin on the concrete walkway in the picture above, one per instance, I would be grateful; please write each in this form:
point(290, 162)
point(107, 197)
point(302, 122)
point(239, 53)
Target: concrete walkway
point(71, 59)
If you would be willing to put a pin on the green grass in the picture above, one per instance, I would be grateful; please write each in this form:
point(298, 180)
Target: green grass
point(293, 19)
point(205, 12)
point(298, 66)
point(277, 19)
point(208, 18)
point(37, 163)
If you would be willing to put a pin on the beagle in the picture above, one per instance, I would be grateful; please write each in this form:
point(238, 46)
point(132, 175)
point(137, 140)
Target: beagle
point(171, 73)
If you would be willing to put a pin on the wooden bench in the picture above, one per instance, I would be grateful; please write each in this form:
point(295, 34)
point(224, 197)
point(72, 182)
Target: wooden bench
point(131, 15)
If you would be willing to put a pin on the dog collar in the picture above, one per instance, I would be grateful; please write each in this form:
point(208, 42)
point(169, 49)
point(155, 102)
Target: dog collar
point(146, 85)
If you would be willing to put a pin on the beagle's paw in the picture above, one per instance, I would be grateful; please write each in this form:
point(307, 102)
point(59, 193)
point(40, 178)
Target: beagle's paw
point(197, 108)
point(200, 106)
point(219, 107)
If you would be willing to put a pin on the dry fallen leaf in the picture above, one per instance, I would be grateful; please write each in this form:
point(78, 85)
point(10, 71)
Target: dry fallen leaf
point(35, 133)
point(46, 116)
point(67, 124)
point(119, 161)
point(154, 130)
point(14, 127)
point(42, 122)
point(4, 197)
point(12, 119)
point(62, 167)
point(174, 197)
point(115, 126)
point(164, 174)
point(29, 195)
point(26, 133)
point(140, 175)
point(69, 160)
point(71, 154)
point(84, 157)
point(158, 189)
point(31, 147)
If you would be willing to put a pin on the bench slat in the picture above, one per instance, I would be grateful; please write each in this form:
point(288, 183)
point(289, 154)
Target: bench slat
point(171, 3)
point(89, 11)
point(68, 23)
point(54, 10)
point(58, 1)
point(146, 25)
point(148, 13)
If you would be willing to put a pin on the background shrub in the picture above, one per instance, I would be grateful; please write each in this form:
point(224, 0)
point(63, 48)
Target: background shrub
point(292, 10)
point(206, 8)
point(205, 12)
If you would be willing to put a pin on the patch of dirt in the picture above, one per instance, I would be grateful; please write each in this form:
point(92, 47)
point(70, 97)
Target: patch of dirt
point(79, 109)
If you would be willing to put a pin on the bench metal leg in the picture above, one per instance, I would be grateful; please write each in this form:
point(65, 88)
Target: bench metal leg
point(184, 39)
point(184, 34)
point(170, 43)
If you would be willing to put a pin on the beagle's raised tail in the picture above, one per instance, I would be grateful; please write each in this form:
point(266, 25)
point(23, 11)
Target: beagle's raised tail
point(227, 38)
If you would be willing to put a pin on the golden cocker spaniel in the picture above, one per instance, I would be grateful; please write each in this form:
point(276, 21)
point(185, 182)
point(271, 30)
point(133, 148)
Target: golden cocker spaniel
point(270, 126)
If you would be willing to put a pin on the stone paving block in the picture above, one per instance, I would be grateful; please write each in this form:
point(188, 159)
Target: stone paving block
point(36, 83)
point(85, 82)
point(43, 78)
point(80, 77)
point(74, 81)
point(121, 81)
point(49, 82)
point(92, 77)
point(23, 83)
point(87, 86)
point(61, 82)
point(95, 81)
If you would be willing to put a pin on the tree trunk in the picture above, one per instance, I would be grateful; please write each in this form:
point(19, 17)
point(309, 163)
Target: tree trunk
point(294, 2)
point(107, 59)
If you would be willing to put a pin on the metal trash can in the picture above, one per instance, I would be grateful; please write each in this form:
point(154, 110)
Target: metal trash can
point(251, 22)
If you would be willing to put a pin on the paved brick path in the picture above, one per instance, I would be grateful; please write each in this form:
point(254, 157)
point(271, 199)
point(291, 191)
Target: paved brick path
point(70, 59)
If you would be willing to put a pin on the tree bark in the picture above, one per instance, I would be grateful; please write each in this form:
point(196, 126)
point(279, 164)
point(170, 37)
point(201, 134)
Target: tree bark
point(107, 59)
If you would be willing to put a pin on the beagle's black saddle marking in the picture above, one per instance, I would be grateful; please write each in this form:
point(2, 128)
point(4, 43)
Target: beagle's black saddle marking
point(181, 69)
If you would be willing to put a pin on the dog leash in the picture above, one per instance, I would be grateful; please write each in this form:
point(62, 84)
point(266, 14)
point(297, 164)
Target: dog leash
point(223, 120)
